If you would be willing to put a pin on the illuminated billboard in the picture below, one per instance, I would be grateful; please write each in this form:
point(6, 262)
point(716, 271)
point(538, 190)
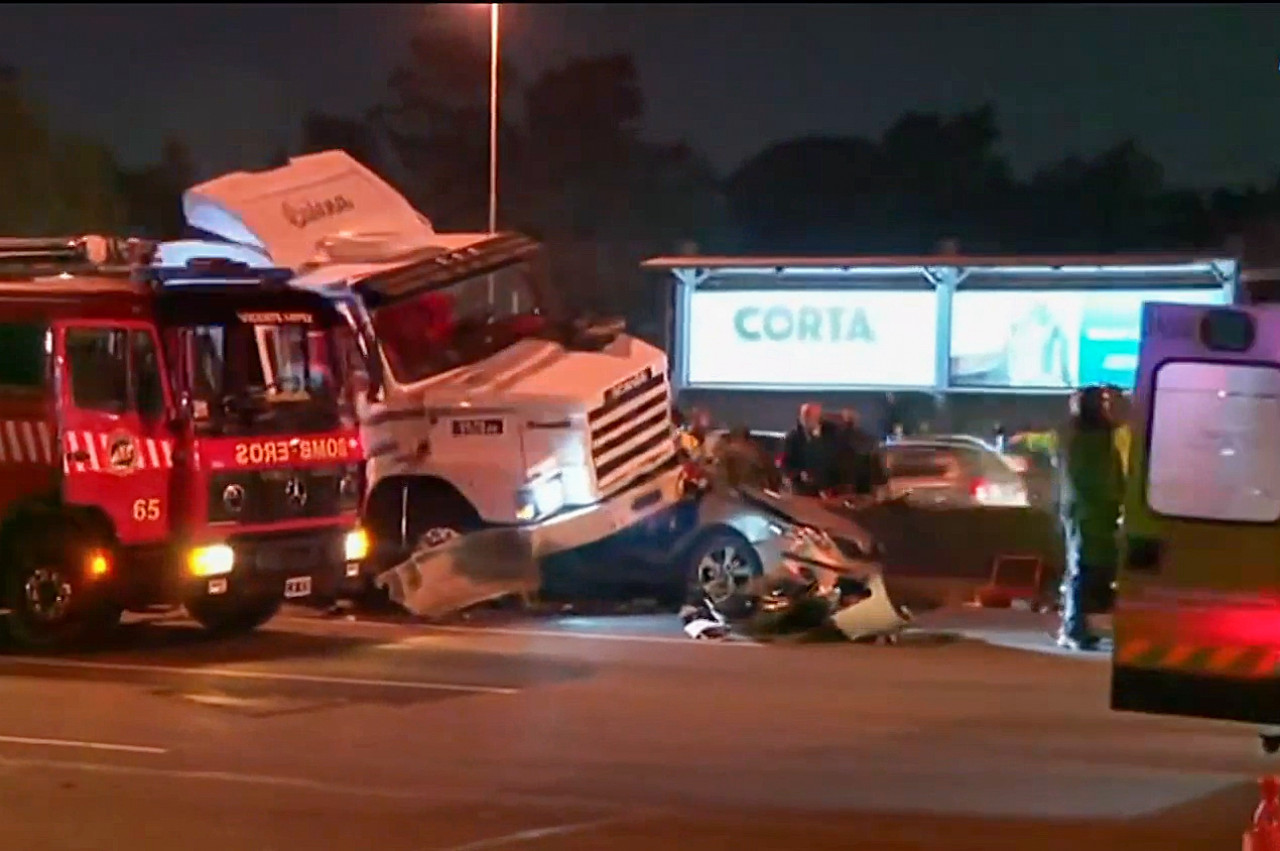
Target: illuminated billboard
point(805, 338)
point(1053, 339)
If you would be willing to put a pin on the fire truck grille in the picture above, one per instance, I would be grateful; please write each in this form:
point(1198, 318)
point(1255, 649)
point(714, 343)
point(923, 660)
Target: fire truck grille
point(631, 432)
point(266, 496)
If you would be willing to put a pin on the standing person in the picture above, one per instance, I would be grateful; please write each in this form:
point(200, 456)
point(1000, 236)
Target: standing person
point(858, 455)
point(892, 418)
point(1092, 490)
point(1121, 407)
point(808, 455)
point(693, 437)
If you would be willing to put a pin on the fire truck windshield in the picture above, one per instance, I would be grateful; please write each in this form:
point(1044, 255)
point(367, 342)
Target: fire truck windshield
point(458, 325)
point(263, 378)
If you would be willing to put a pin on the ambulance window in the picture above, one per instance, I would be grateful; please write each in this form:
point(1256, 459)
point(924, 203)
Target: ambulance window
point(99, 363)
point(22, 357)
point(1215, 442)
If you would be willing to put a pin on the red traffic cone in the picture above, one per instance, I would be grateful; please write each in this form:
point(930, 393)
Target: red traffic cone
point(1264, 833)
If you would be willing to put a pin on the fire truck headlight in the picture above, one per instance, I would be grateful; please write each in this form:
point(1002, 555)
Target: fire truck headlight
point(214, 560)
point(355, 546)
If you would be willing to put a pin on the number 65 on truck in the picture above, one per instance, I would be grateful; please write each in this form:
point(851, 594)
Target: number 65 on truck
point(145, 462)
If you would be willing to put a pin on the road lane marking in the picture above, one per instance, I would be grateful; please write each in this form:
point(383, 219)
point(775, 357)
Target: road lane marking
point(450, 792)
point(230, 673)
point(536, 633)
point(74, 743)
point(532, 835)
point(590, 636)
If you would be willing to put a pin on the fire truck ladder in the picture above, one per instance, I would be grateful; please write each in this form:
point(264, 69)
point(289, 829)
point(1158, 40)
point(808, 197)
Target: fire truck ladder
point(58, 254)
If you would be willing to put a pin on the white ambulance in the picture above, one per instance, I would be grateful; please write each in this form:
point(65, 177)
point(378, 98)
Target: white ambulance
point(1197, 617)
point(488, 413)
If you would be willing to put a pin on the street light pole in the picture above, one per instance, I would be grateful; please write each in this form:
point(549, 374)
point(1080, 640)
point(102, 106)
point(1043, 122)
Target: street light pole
point(493, 117)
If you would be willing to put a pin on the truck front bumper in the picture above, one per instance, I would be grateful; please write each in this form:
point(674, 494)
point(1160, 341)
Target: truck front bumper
point(316, 563)
point(645, 499)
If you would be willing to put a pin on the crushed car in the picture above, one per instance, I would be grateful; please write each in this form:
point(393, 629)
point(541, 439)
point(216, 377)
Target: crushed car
point(766, 563)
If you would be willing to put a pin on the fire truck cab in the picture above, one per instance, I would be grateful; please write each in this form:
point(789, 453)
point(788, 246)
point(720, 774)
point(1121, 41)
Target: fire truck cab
point(1197, 616)
point(167, 437)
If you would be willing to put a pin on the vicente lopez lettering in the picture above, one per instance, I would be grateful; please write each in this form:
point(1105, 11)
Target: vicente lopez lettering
point(804, 324)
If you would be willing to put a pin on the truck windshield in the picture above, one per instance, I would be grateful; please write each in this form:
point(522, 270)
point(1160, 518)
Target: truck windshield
point(458, 325)
point(264, 379)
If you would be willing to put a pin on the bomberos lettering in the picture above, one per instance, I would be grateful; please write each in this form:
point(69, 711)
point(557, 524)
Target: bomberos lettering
point(265, 452)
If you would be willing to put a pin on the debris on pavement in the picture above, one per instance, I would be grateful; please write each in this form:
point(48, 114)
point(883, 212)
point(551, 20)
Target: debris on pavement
point(463, 571)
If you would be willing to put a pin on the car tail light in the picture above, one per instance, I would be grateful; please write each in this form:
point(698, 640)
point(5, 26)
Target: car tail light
point(980, 490)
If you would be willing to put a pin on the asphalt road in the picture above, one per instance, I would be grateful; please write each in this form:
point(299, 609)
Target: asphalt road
point(599, 733)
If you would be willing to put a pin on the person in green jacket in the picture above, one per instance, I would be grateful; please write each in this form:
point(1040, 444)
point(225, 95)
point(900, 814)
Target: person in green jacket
point(1092, 493)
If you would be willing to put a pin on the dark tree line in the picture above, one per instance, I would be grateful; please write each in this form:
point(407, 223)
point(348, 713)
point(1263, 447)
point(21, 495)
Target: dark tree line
point(577, 171)
point(931, 178)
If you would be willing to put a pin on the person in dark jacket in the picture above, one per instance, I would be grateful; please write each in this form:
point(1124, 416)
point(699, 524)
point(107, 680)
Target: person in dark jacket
point(1092, 493)
point(858, 455)
point(809, 453)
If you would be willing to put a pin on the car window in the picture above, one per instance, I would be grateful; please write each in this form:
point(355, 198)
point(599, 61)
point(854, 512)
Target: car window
point(23, 363)
point(919, 462)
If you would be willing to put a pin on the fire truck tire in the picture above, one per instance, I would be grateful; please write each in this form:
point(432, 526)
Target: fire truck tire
point(232, 616)
point(43, 589)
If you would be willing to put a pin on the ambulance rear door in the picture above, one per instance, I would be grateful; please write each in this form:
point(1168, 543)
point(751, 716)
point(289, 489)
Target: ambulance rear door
point(1197, 617)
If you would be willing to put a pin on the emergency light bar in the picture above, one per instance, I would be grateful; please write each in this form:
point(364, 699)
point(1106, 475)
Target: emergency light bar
point(203, 271)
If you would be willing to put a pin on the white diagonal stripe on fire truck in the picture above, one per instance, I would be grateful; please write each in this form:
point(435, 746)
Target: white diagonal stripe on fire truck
point(11, 441)
point(46, 441)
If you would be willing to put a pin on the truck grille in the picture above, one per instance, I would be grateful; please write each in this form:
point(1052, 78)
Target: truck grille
point(631, 432)
point(266, 496)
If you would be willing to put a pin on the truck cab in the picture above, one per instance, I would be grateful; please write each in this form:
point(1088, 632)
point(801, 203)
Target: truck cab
point(494, 412)
point(168, 440)
point(1197, 616)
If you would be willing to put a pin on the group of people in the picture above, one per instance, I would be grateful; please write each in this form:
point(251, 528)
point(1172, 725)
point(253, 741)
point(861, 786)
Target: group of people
point(821, 455)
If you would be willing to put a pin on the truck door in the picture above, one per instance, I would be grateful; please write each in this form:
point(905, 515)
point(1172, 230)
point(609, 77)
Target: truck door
point(1197, 618)
point(113, 401)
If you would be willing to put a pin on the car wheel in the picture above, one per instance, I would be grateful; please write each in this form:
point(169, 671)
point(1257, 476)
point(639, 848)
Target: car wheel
point(720, 566)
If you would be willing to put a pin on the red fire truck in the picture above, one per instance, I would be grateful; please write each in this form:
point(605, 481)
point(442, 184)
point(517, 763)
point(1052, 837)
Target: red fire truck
point(167, 436)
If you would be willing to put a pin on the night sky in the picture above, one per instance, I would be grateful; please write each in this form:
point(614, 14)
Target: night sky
point(1199, 86)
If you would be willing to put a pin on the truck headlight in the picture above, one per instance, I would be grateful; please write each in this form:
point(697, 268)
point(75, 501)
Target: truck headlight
point(540, 498)
point(213, 560)
point(355, 546)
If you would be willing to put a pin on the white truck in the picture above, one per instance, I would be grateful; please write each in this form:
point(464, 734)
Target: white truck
point(487, 413)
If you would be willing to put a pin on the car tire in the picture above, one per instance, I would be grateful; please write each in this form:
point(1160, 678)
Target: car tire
point(719, 566)
point(225, 616)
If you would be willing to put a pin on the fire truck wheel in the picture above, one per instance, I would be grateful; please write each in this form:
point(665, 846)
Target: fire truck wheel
point(230, 616)
point(43, 585)
point(1270, 744)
